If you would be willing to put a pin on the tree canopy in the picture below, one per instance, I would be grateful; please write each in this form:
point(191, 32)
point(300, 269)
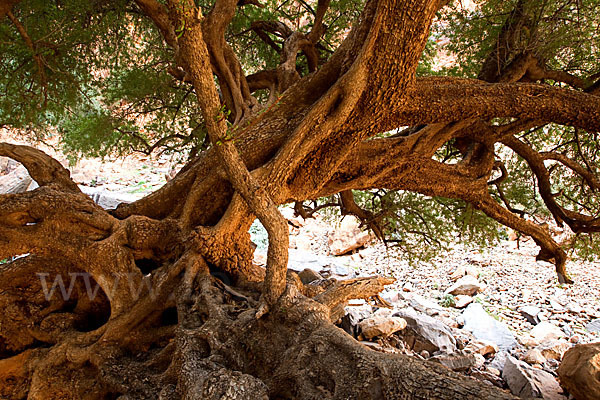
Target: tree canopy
point(104, 77)
point(421, 117)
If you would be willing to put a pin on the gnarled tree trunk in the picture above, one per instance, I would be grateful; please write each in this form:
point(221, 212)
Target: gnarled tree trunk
point(143, 313)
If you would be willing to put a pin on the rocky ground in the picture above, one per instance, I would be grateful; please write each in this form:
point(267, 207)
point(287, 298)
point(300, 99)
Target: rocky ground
point(497, 315)
point(109, 180)
point(507, 275)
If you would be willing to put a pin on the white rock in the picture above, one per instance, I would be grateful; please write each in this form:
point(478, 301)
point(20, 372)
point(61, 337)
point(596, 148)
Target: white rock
point(422, 304)
point(556, 306)
point(341, 270)
point(383, 312)
point(17, 181)
point(357, 302)
point(348, 237)
point(574, 308)
point(485, 327)
point(32, 186)
point(472, 270)
point(546, 331)
point(467, 285)
point(426, 333)
point(458, 273)
point(593, 326)
point(479, 360)
point(107, 199)
point(356, 314)
point(531, 314)
point(391, 296)
point(367, 252)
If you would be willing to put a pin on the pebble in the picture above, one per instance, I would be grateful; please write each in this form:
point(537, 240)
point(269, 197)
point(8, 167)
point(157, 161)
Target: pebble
point(534, 356)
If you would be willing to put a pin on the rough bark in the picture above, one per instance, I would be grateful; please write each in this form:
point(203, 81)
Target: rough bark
point(6, 6)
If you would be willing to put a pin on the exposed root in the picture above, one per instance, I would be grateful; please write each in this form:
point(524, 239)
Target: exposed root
point(216, 348)
point(341, 292)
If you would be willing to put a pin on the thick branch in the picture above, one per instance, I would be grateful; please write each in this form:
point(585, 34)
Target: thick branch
point(536, 71)
point(590, 178)
point(493, 67)
point(317, 29)
point(577, 222)
point(43, 169)
point(159, 15)
point(262, 80)
point(286, 71)
point(39, 60)
point(432, 178)
point(435, 100)
point(280, 121)
point(224, 62)
point(195, 54)
point(6, 6)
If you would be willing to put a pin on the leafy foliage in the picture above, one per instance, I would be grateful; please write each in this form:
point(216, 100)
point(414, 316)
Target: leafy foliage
point(564, 33)
point(423, 226)
point(106, 88)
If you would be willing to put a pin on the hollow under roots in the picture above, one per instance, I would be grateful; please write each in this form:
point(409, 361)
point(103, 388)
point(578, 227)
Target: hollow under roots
point(208, 344)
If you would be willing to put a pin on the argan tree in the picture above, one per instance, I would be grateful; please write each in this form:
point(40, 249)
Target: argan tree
point(275, 102)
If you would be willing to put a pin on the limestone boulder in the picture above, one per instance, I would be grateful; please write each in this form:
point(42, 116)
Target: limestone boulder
point(534, 356)
point(545, 331)
point(530, 313)
point(426, 333)
point(349, 236)
point(16, 181)
point(461, 301)
point(485, 327)
point(467, 285)
point(530, 383)
point(593, 326)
